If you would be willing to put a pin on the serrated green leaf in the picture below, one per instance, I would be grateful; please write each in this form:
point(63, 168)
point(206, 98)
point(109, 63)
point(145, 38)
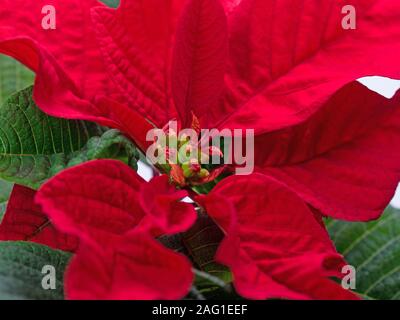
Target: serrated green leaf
point(31, 142)
point(111, 145)
point(374, 250)
point(21, 265)
point(201, 242)
point(13, 77)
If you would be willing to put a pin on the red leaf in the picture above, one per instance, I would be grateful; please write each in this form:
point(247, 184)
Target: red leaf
point(199, 60)
point(24, 220)
point(135, 41)
point(274, 245)
point(342, 160)
point(72, 43)
point(177, 175)
point(64, 87)
point(64, 99)
point(105, 198)
point(93, 200)
point(130, 122)
point(135, 267)
point(113, 212)
point(161, 201)
point(289, 57)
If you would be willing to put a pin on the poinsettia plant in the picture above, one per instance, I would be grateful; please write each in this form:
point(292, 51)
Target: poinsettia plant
point(324, 146)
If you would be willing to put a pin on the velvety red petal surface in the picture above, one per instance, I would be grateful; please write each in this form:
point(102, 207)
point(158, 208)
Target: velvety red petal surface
point(291, 77)
point(133, 267)
point(54, 92)
point(25, 221)
point(136, 41)
point(71, 78)
point(130, 122)
point(161, 201)
point(98, 198)
point(72, 43)
point(343, 160)
point(307, 81)
point(199, 61)
point(274, 245)
point(114, 213)
point(288, 58)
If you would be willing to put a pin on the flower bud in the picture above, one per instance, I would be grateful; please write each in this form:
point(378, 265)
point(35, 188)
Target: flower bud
point(177, 175)
point(204, 173)
point(187, 172)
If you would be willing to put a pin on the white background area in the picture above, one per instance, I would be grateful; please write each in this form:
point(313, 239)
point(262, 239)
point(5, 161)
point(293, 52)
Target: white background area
point(384, 86)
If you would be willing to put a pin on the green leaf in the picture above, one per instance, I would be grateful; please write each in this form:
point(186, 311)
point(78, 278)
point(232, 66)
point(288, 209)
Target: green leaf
point(374, 250)
point(111, 145)
point(207, 286)
point(21, 265)
point(31, 142)
point(111, 3)
point(201, 242)
point(5, 190)
point(13, 77)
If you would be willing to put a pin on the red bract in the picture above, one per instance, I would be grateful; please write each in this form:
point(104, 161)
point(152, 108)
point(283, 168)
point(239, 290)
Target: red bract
point(284, 68)
point(113, 213)
point(274, 245)
point(24, 220)
point(76, 84)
